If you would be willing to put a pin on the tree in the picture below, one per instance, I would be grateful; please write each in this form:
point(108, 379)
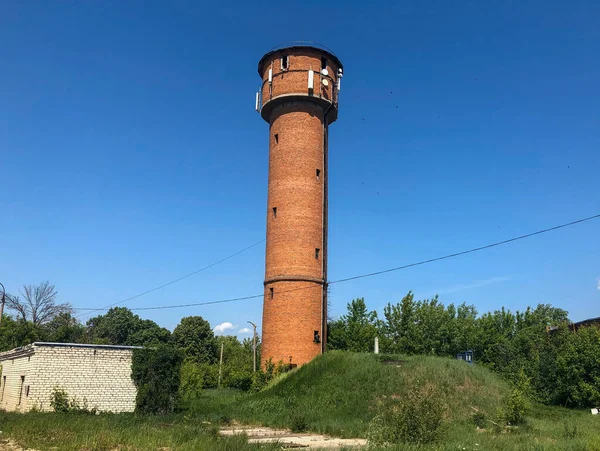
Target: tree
point(38, 304)
point(120, 326)
point(355, 331)
point(194, 336)
point(64, 328)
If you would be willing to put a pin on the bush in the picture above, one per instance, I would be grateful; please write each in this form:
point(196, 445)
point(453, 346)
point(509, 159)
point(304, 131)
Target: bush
point(59, 400)
point(415, 418)
point(299, 423)
point(517, 404)
point(156, 374)
point(479, 419)
point(196, 377)
point(515, 408)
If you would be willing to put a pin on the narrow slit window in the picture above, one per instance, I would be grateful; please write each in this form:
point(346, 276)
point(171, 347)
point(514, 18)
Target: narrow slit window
point(274, 212)
point(277, 138)
point(323, 63)
point(317, 250)
point(21, 390)
point(316, 338)
point(318, 174)
point(285, 62)
point(3, 387)
point(271, 292)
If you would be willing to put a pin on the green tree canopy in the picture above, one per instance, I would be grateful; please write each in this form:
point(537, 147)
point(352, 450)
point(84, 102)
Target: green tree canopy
point(194, 336)
point(120, 326)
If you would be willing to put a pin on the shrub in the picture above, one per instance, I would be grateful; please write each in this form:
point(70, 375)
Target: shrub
point(156, 374)
point(517, 404)
point(59, 400)
point(415, 418)
point(479, 419)
point(299, 423)
point(195, 377)
point(515, 408)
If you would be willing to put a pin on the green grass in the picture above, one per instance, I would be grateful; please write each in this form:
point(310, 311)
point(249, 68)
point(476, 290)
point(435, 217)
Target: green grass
point(76, 431)
point(336, 394)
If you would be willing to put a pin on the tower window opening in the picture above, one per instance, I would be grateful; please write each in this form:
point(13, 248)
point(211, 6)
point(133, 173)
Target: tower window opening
point(318, 174)
point(317, 250)
point(274, 212)
point(323, 63)
point(285, 61)
point(317, 338)
point(277, 138)
point(271, 292)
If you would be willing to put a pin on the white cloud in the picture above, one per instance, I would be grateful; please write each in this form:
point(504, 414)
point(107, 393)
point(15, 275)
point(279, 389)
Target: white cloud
point(220, 329)
point(598, 283)
point(245, 330)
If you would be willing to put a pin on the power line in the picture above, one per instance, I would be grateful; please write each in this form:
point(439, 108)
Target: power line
point(172, 281)
point(499, 243)
point(398, 268)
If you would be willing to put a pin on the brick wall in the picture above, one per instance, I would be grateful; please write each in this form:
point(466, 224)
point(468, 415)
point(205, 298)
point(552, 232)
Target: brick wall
point(99, 375)
point(294, 306)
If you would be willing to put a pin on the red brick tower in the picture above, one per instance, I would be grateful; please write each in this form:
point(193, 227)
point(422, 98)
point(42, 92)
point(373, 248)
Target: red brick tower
point(299, 99)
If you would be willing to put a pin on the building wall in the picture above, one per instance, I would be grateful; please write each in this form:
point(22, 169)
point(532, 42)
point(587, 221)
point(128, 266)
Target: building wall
point(100, 377)
point(14, 368)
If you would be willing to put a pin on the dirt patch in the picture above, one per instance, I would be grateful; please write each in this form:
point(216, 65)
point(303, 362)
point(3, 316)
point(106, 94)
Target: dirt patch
point(11, 445)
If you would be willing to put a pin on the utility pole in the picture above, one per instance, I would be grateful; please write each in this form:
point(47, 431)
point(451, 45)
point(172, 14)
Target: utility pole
point(2, 304)
point(254, 343)
point(220, 365)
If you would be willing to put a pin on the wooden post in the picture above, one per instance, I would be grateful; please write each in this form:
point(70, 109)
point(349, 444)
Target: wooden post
point(220, 366)
point(376, 345)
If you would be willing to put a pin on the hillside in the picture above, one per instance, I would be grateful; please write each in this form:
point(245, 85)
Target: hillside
point(337, 392)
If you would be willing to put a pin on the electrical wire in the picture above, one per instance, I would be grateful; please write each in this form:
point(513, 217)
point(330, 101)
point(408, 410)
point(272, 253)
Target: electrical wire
point(179, 279)
point(372, 274)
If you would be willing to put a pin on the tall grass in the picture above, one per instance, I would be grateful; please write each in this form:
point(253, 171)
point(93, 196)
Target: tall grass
point(337, 392)
point(75, 432)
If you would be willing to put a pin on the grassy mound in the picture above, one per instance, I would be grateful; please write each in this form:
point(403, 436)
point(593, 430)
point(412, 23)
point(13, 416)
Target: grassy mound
point(337, 392)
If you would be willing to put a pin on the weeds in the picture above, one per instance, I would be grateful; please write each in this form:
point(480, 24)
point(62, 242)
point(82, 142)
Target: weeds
point(415, 418)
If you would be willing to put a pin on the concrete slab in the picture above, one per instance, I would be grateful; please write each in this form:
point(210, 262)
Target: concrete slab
point(289, 439)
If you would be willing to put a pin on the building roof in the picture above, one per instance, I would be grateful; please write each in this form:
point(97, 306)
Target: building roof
point(23, 351)
point(84, 345)
point(306, 45)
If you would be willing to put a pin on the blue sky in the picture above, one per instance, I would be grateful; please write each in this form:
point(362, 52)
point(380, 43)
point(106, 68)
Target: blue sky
point(131, 153)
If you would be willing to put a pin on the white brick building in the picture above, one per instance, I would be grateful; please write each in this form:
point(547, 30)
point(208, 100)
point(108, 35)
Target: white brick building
point(100, 375)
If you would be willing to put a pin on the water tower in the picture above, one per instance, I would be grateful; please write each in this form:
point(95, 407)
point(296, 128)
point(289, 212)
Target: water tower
point(299, 99)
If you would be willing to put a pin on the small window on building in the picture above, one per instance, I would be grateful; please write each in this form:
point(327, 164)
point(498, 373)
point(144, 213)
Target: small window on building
point(21, 390)
point(318, 174)
point(271, 292)
point(26, 391)
point(3, 387)
point(316, 338)
point(323, 63)
point(285, 61)
point(274, 212)
point(277, 138)
point(317, 250)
